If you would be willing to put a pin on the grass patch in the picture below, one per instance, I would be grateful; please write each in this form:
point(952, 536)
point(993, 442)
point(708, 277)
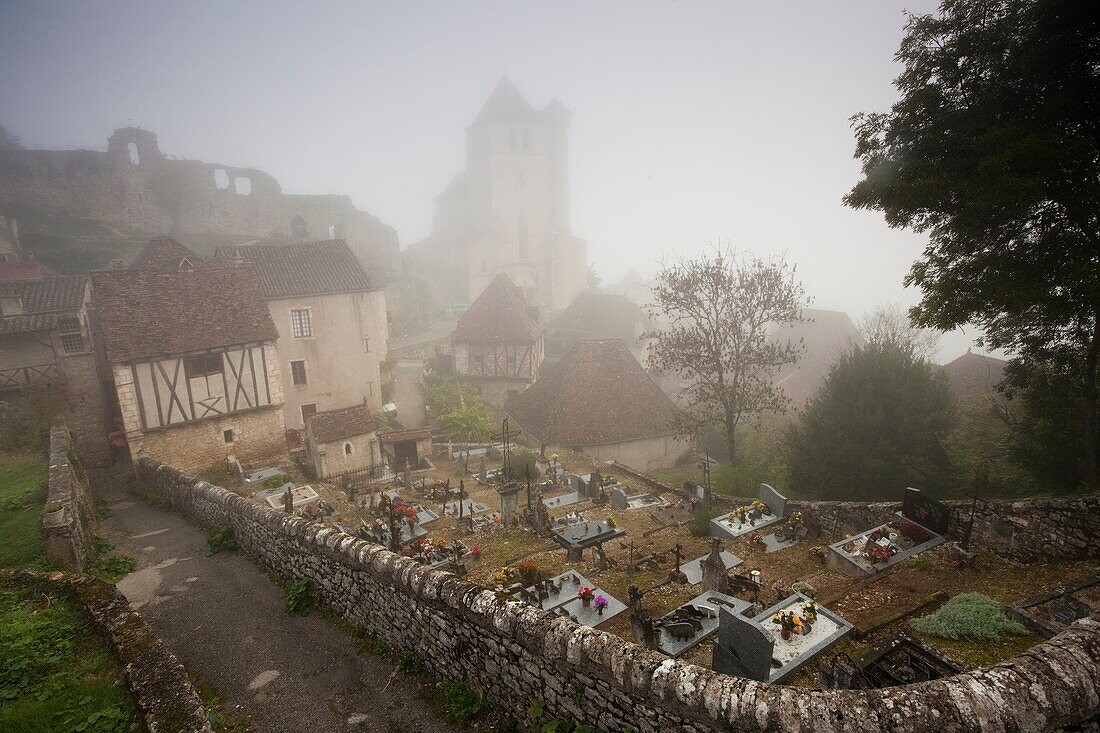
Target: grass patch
point(112, 568)
point(222, 720)
point(219, 538)
point(301, 597)
point(55, 674)
point(22, 496)
point(458, 703)
point(969, 616)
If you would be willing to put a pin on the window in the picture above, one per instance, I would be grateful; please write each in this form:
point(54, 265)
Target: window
point(11, 305)
point(68, 324)
point(307, 410)
point(366, 345)
point(221, 179)
point(370, 388)
point(511, 363)
point(298, 373)
point(72, 343)
point(203, 365)
point(135, 154)
point(242, 185)
point(347, 449)
point(229, 436)
point(300, 323)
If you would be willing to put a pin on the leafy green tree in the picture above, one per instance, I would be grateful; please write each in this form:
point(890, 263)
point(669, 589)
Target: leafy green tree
point(468, 422)
point(877, 425)
point(993, 149)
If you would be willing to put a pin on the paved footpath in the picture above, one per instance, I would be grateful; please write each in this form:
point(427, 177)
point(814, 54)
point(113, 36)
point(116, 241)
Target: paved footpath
point(224, 619)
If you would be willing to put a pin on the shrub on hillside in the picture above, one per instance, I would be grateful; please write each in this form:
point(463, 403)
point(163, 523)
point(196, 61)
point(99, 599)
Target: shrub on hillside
point(969, 616)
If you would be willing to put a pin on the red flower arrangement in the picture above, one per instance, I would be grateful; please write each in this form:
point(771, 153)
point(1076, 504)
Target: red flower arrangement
point(915, 532)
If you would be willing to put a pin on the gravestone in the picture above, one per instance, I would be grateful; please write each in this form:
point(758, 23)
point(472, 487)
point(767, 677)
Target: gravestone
point(618, 499)
point(714, 568)
point(743, 649)
point(925, 511)
point(592, 487)
point(509, 503)
point(773, 499)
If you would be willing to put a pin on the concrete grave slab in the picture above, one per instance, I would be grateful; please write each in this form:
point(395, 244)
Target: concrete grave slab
point(703, 609)
point(694, 569)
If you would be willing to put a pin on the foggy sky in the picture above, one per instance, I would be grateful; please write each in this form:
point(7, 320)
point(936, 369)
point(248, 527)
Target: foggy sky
point(692, 121)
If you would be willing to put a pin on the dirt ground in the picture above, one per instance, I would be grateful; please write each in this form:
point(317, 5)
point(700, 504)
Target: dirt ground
point(862, 603)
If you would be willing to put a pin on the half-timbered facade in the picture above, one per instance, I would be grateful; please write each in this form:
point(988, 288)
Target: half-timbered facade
point(195, 368)
point(498, 342)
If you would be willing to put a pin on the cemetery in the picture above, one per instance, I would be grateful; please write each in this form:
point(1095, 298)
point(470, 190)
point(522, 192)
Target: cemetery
point(880, 547)
point(572, 540)
point(766, 511)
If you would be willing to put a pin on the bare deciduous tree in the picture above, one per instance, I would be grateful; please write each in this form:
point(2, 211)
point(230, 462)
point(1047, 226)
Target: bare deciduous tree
point(891, 324)
point(722, 311)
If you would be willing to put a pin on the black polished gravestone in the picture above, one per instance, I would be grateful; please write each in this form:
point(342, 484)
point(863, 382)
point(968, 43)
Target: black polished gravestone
point(579, 537)
point(743, 649)
point(925, 511)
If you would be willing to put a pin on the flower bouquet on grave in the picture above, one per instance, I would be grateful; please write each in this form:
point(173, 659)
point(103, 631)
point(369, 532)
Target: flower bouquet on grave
point(610, 521)
point(586, 594)
point(809, 611)
point(761, 507)
point(914, 532)
point(475, 552)
point(600, 603)
point(880, 553)
point(790, 624)
point(528, 572)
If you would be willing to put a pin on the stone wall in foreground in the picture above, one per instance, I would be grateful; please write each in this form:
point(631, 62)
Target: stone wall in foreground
point(67, 516)
point(513, 654)
point(161, 688)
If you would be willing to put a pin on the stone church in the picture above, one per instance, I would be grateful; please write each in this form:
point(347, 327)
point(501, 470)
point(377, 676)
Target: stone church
point(508, 212)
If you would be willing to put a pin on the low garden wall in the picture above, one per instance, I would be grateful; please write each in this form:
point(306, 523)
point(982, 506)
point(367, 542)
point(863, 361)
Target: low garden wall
point(162, 691)
point(67, 516)
point(513, 654)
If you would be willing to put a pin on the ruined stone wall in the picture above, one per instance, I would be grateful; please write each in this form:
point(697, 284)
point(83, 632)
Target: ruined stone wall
point(165, 698)
point(161, 196)
point(514, 654)
point(67, 516)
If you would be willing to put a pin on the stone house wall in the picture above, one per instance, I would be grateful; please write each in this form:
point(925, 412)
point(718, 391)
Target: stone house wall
point(660, 451)
point(67, 516)
point(513, 654)
point(340, 371)
point(329, 459)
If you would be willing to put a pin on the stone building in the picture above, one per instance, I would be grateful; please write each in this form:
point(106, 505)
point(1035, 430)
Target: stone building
point(497, 343)
point(45, 339)
point(508, 212)
point(331, 320)
point(596, 315)
point(599, 400)
point(342, 440)
point(133, 185)
point(194, 365)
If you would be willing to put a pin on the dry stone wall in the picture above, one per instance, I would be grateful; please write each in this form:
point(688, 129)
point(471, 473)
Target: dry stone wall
point(161, 688)
point(67, 516)
point(513, 654)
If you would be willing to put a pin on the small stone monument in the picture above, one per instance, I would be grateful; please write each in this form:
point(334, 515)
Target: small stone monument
point(408, 475)
point(509, 503)
point(714, 569)
point(288, 501)
point(618, 499)
point(482, 472)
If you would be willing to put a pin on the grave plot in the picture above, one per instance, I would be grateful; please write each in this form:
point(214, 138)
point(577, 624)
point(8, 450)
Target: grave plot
point(880, 547)
point(619, 500)
point(673, 514)
point(764, 512)
point(572, 595)
point(694, 570)
point(301, 496)
point(437, 554)
point(258, 477)
point(569, 520)
point(778, 642)
point(378, 533)
point(579, 537)
point(469, 508)
point(1050, 612)
point(901, 660)
point(695, 621)
point(556, 502)
point(424, 515)
point(788, 536)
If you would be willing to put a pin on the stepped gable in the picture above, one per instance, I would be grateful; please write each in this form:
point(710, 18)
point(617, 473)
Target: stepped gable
point(598, 393)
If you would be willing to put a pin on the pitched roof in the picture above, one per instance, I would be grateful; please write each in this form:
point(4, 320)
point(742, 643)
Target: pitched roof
point(600, 315)
point(505, 103)
point(164, 254)
point(974, 374)
point(146, 314)
point(499, 315)
point(598, 393)
point(826, 335)
point(346, 422)
point(28, 270)
point(290, 269)
point(42, 301)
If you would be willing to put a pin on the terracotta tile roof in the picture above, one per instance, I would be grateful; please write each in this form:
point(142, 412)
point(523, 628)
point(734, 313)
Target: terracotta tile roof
point(146, 314)
point(396, 436)
point(28, 323)
point(347, 422)
point(30, 270)
point(598, 393)
point(972, 374)
point(601, 316)
point(285, 270)
point(164, 254)
point(42, 300)
point(499, 315)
